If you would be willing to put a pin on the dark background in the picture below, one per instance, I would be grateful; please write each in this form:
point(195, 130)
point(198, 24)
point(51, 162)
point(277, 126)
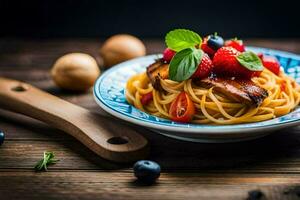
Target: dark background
point(148, 19)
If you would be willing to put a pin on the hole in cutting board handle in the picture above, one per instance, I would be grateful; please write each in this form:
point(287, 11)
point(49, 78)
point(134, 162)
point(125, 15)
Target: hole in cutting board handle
point(118, 140)
point(19, 88)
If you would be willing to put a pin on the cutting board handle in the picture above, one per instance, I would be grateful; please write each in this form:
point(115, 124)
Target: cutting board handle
point(105, 136)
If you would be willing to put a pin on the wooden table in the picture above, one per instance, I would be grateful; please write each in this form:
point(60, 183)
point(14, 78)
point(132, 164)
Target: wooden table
point(190, 170)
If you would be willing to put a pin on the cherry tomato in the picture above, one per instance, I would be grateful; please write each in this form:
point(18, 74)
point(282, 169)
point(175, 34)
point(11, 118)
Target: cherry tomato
point(182, 108)
point(283, 86)
point(147, 98)
point(271, 63)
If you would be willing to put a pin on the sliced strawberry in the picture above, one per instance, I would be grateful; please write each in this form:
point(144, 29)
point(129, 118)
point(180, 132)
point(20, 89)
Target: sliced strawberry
point(237, 44)
point(226, 64)
point(204, 68)
point(271, 63)
point(168, 55)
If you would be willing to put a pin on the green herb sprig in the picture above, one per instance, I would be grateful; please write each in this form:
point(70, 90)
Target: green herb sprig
point(180, 39)
point(250, 61)
point(185, 62)
point(48, 159)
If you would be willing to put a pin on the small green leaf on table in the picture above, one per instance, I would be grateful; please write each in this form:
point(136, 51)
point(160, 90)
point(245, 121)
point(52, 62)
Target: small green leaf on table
point(48, 159)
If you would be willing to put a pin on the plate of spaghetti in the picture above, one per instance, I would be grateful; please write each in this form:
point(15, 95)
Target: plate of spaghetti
point(205, 90)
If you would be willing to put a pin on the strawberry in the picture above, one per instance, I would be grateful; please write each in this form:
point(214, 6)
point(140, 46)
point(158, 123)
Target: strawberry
point(257, 73)
point(168, 55)
point(260, 55)
point(225, 63)
point(271, 63)
point(235, 43)
point(204, 68)
point(207, 49)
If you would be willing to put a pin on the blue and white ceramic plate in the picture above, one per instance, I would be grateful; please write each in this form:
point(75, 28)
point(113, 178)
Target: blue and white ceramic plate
point(109, 93)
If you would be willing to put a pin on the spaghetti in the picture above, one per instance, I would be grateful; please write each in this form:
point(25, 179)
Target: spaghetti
point(213, 107)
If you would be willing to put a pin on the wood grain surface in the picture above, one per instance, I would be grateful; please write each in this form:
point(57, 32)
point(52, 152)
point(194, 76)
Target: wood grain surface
point(190, 170)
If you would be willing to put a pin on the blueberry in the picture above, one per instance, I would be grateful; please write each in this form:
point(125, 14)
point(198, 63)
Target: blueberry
point(255, 195)
point(2, 136)
point(146, 171)
point(215, 42)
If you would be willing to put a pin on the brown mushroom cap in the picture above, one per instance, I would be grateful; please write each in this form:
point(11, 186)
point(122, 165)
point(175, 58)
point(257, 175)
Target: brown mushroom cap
point(122, 47)
point(75, 71)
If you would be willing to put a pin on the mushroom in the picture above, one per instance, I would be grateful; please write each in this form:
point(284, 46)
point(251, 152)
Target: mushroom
point(75, 71)
point(119, 48)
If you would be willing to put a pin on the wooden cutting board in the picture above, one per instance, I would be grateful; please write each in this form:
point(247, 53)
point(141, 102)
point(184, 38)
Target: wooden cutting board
point(106, 137)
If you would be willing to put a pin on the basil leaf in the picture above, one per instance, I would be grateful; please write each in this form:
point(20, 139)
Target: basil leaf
point(250, 60)
point(180, 39)
point(184, 64)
